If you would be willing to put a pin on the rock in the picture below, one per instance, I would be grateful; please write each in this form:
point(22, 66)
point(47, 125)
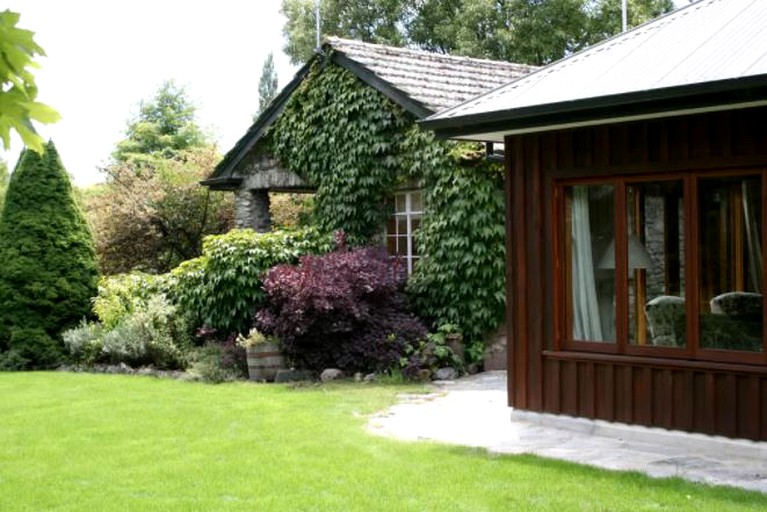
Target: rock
point(291, 375)
point(358, 377)
point(446, 374)
point(331, 374)
point(370, 377)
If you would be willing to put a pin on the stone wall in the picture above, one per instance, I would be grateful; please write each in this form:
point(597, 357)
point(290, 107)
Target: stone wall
point(261, 173)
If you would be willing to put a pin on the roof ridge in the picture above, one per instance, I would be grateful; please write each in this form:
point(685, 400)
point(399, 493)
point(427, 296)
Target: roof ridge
point(339, 42)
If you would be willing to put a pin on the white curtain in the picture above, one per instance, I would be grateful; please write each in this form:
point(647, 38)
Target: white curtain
point(751, 196)
point(586, 321)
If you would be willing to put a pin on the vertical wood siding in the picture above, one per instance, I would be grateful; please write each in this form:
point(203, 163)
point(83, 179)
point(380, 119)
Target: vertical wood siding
point(713, 398)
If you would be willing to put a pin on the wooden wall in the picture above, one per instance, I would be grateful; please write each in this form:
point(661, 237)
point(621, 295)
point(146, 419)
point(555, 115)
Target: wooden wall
point(715, 398)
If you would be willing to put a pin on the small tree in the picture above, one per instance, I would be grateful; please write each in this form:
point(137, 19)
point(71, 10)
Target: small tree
point(49, 271)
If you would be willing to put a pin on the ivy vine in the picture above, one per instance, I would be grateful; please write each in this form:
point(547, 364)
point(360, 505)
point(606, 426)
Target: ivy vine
point(356, 146)
point(351, 143)
point(461, 279)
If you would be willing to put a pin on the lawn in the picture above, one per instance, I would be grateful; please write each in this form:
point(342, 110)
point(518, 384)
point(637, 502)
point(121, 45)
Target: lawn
point(99, 442)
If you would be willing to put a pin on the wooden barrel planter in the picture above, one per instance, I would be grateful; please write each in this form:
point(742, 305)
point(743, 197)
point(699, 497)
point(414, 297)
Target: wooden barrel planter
point(264, 360)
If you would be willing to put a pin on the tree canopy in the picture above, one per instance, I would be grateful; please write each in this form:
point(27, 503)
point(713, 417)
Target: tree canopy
point(18, 92)
point(152, 214)
point(164, 126)
point(525, 31)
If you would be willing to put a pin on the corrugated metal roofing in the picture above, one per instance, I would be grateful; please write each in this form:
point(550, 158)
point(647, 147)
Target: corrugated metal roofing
point(437, 81)
point(709, 41)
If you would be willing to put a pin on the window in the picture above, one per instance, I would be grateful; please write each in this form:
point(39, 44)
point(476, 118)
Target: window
point(406, 219)
point(672, 265)
point(730, 263)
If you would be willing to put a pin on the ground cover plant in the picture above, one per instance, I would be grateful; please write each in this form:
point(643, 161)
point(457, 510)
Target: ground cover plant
point(104, 442)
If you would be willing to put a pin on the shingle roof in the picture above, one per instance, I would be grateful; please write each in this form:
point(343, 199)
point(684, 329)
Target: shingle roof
point(710, 42)
point(420, 82)
point(435, 80)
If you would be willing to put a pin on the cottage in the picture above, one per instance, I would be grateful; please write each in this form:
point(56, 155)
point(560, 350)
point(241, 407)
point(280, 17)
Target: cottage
point(421, 83)
point(346, 129)
point(636, 189)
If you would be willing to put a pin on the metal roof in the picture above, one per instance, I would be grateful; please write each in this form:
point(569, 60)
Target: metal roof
point(707, 48)
point(420, 82)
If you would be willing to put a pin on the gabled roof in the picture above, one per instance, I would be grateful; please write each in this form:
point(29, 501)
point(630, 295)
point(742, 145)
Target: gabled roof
point(435, 81)
point(710, 54)
point(420, 82)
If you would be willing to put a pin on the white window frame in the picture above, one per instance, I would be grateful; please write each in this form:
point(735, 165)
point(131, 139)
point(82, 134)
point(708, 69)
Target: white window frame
point(409, 215)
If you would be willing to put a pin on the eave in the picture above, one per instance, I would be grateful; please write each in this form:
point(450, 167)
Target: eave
point(656, 103)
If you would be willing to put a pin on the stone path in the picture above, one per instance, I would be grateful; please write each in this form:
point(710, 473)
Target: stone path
point(472, 411)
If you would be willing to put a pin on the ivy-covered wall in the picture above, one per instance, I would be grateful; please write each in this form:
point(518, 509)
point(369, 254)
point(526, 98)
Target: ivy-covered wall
point(356, 146)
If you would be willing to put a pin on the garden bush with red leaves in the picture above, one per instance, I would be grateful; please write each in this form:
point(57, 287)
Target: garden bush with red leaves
point(340, 310)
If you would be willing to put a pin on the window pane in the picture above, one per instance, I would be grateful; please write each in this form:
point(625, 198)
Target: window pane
point(402, 225)
point(416, 202)
point(399, 203)
point(730, 263)
point(655, 247)
point(391, 245)
point(591, 280)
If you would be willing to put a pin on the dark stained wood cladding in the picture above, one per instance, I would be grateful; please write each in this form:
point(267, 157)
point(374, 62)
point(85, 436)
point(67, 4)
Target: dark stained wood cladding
point(628, 390)
point(712, 398)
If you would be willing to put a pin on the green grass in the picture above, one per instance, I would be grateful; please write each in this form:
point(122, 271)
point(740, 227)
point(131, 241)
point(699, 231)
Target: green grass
point(96, 442)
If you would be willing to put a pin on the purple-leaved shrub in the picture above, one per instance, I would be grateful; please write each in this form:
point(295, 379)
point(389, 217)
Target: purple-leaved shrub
point(343, 310)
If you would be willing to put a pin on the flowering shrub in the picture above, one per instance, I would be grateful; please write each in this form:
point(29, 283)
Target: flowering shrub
point(342, 310)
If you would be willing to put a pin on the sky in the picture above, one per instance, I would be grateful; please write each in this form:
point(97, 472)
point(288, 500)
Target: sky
point(104, 57)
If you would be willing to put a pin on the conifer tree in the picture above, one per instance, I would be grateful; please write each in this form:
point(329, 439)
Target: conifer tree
point(48, 273)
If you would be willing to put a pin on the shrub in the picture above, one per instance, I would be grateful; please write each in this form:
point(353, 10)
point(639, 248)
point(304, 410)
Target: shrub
point(342, 310)
point(48, 272)
point(34, 346)
point(431, 354)
point(121, 295)
point(83, 343)
point(222, 288)
point(151, 334)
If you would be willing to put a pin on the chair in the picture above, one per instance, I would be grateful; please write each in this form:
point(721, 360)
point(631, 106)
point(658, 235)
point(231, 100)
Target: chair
point(665, 319)
point(744, 313)
point(738, 304)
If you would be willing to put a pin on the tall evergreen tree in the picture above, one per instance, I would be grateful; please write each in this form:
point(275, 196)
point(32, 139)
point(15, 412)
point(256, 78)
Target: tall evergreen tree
point(49, 271)
point(267, 85)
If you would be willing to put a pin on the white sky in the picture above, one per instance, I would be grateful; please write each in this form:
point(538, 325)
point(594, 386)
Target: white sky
point(104, 57)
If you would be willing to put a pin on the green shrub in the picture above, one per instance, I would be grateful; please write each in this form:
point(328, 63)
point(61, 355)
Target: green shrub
point(48, 272)
point(222, 288)
point(11, 361)
point(431, 353)
point(83, 343)
point(36, 347)
point(210, 364)
point(121, 295)
point(153, 333)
